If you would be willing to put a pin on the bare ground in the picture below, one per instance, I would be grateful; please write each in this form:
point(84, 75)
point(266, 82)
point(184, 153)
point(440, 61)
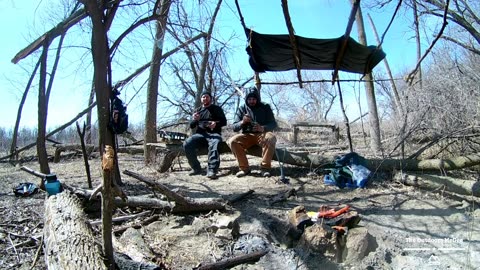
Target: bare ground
point(412, 228)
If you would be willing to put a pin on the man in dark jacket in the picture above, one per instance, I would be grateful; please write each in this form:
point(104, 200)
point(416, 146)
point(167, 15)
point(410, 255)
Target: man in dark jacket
point(256, 121)
point(208, 121)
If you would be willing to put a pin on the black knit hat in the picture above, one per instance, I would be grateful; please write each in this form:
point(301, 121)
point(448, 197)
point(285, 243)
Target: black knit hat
point(252, 92)
point(206, 93)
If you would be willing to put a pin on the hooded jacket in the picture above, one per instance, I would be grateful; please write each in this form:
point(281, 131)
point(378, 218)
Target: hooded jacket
point(260, 113)
point(210, 113)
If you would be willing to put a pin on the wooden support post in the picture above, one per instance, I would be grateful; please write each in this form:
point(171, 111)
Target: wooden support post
point(295, 134)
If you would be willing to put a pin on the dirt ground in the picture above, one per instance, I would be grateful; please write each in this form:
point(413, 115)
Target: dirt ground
point(412, 228)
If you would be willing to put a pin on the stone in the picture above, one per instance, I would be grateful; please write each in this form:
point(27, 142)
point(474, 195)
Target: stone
point(359, 242)
point(320, 238)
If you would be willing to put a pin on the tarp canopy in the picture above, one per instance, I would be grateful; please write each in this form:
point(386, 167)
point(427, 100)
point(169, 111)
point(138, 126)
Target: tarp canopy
point(275, 53)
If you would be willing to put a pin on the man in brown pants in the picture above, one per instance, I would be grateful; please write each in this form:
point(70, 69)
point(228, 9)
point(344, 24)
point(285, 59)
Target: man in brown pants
point(256, 121)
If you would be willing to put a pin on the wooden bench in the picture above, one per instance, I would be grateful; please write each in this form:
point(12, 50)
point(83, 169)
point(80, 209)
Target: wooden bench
point(335, 129)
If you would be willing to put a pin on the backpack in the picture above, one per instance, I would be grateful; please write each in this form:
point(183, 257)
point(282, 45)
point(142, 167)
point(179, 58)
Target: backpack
point(118, 116)
point(25, 189)
point(349, 172)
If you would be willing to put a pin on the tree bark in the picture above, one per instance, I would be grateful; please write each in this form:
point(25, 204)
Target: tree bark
point(42, 113)
point(13, 147)
point(152, 89)
point(102, 82)
point(374, 122)
point(194, 206)
point(85, 154)
point(440, 182)
point(398, 108)
point(182, 204)
point(69, 242)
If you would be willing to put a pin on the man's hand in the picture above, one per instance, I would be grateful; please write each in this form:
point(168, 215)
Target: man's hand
point(196, 116)
point(246, 119)
point(212, 124)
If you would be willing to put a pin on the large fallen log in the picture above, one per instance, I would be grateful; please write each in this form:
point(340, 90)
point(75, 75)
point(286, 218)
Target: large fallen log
point(69, 242)
point(440, 182)
point(298, 159)
point(182, 204)
point(326, 161)
point(194, 206)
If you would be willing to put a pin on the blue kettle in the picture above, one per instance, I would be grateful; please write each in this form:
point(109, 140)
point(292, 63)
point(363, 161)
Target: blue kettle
point(52, 185)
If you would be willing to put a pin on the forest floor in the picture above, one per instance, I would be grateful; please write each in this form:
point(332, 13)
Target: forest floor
point(412, 228)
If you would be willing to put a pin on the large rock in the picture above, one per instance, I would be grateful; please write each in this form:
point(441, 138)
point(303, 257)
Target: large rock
point(358, 244)
point(320, 238)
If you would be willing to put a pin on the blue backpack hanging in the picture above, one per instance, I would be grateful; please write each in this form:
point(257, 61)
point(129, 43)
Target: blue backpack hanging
point(349, 172)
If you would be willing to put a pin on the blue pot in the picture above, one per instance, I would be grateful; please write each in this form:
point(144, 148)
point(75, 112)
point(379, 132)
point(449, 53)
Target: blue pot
point(52, 185)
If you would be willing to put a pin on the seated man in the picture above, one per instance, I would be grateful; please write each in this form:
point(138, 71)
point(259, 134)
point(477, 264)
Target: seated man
point(256, 120)
point(208, 121)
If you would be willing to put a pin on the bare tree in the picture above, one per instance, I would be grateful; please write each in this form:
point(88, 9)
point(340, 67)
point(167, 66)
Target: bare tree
point(152, 89)
point(374, 121)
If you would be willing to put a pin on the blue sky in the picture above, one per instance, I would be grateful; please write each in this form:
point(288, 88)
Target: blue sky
point(21, 24)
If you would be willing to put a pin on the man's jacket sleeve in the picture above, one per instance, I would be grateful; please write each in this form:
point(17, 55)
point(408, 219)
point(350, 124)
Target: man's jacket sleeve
point(237, 121)
point(271, 122)
point(222, 120)
point(193, 124)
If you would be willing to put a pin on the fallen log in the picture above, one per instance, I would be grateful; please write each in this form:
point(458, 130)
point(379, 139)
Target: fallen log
point(71, 147)
point(298, 159)
point(122, 218)
point(132, 150)
point(69, 242)
point(194, 206)
point(440, 182)
point(182, 204)
point(326, 161)
point(231, 262)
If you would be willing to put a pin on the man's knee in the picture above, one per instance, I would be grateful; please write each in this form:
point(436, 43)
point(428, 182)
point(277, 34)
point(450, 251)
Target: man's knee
point(270, 138)
point(231, 141)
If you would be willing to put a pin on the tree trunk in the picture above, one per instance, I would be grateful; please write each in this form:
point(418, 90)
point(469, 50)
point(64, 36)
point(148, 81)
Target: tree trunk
point(102, 82)
point(441, 183)
point(88, 137)
point(152, 89)
point(13, 147)
point(398, 108)
point(69, 242)
point(417, 40)
point(85, 154)
point(206, 53)
point(42, 113)
point(375, 140)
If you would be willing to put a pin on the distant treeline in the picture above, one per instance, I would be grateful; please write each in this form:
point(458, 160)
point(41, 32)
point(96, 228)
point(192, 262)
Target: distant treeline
point(28, 135)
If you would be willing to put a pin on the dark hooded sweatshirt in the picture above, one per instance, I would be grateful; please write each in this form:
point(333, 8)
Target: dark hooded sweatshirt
point(210, 113)
point(260, 113)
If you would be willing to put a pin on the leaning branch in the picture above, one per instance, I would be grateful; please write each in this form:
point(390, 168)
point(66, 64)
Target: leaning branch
point(58, 30)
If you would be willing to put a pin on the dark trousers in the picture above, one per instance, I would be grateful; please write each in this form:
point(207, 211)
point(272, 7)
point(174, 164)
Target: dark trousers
point(203, 140)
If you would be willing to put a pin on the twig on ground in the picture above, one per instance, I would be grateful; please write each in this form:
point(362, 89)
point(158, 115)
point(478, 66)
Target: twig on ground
point(122, 218)
point(14, 249)
point(37, 254)
point(230, 262)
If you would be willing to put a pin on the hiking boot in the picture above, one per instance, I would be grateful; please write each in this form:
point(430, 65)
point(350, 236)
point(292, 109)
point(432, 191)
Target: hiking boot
point(265, 173)
point(242, 173)
point(212, 175)
point(195, 172)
